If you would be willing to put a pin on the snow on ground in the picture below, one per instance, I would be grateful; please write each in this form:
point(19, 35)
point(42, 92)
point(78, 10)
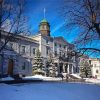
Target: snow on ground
point(92, 80)
point(7, 78)
point(49, 91)
point(76, 75)
point(40, 77)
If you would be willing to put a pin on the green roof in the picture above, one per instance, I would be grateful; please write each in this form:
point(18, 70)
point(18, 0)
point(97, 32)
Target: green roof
point(44, 21)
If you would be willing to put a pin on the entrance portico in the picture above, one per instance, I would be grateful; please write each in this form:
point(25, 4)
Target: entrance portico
point(65, 67)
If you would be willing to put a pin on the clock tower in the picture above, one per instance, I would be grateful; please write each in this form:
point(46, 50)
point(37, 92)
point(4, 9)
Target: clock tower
point(44, 27)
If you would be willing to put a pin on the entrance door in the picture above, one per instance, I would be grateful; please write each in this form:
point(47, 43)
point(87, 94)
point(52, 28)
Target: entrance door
point(66, 68)
point(61, 67)
point(10, 67)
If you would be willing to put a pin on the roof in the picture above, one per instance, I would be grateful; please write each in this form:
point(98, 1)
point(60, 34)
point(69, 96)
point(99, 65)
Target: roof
point(18, 36)
point(60, 39)
point(44, 36)
point(44, 21)
point(95, 59)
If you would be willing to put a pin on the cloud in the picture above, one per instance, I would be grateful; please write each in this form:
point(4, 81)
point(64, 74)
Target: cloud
point(57, 27)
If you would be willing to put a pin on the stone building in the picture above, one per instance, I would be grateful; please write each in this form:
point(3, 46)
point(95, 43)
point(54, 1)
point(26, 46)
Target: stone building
point(17, 57)
point(95, 64)
point(60, 49)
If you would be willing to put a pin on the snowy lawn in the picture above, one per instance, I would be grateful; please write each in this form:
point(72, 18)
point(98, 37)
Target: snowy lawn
point(7, 79)
point(95, 81)
point(50, 91)
point(40, 77)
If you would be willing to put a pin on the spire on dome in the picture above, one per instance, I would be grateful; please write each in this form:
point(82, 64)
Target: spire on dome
point(44, 27)
point(44, 17)
point(44, 12)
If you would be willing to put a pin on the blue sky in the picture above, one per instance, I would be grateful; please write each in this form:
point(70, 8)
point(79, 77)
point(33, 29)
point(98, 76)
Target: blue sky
point(53, 15)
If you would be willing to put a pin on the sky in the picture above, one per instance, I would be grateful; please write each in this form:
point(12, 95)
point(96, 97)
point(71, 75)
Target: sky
point(35, 13)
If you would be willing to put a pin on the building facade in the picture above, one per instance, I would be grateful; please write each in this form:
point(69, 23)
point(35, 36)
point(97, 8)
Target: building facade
point(95, 64)
point(19, 53)
point(17, 56)
point(60, 49)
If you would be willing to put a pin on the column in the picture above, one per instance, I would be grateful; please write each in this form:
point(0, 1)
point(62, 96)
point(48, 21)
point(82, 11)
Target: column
point(63, 68)
point(72, 69)
point(68, 69)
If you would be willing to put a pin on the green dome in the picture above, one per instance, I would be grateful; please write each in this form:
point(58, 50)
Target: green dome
point(44, 21)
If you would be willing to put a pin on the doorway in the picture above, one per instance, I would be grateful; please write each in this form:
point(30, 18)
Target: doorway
point(61, 67)
point(10, 67)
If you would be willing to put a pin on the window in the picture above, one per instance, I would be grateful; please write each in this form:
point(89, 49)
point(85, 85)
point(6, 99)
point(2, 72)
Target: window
point(43, 27)
point(95, 65)
point(47, 51)
point(64, 55)
point(47, 41)
point(89, 61)
point(55, 44)
point(55, 53)
point(34, 51)
point(23, 49)
point(23, 67)
point(60, 45)
point(11, 45)
point(60, 54)
point(1, 59)
point(64, 47)
point(96, 71)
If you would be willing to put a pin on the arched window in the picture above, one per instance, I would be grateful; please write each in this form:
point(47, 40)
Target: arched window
point(96, 71)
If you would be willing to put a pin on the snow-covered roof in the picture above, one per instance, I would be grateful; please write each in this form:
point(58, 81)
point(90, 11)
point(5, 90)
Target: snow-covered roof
point(60, 39)
point(18, 36)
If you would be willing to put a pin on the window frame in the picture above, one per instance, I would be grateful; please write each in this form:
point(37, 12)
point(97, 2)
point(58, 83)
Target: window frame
point(23, 49)
point(33, 50)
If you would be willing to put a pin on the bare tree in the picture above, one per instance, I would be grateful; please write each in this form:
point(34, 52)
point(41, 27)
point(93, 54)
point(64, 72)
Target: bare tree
point(23, 27)
point(84, 14)
point(11, 11)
